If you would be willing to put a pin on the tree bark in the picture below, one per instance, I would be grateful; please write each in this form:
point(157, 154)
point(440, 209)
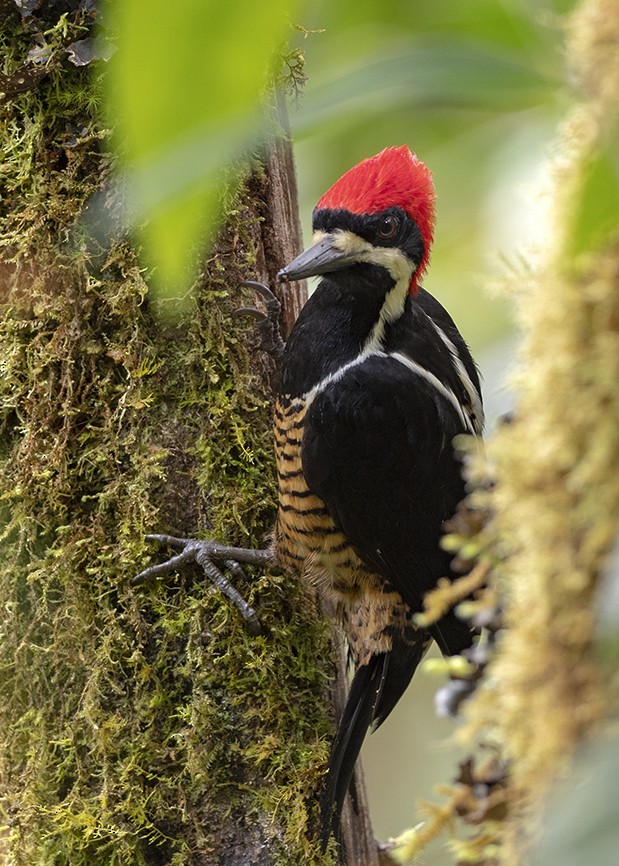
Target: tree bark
point(143, 726)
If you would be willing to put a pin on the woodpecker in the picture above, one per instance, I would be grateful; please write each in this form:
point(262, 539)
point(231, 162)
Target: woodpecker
point(376, 382)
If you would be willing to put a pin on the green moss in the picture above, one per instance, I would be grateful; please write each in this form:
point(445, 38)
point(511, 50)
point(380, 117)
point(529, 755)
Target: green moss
point(133, 722)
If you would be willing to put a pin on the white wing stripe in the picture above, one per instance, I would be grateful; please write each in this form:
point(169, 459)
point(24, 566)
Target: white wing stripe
point(433, 380)
point(436, 382)
point(471, 390)
point(335, 377)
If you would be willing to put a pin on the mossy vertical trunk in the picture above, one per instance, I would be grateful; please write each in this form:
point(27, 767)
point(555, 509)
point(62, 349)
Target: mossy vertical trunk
point(546, 490)
point(139, 726)
point(555, 497)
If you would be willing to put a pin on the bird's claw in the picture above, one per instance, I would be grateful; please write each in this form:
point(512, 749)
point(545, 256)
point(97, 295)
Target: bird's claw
point(211, 557)
point(270, 301)
point(267, 323)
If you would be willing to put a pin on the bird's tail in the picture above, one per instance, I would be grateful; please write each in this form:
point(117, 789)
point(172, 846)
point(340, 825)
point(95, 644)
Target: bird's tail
point(374, 691)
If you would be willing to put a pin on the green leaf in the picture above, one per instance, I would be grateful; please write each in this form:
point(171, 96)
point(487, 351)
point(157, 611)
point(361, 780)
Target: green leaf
point(440, 73)
point(596, 212)
point(185, 88)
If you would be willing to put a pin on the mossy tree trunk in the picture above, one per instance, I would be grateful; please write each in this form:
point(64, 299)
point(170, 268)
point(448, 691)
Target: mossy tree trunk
point(141, 726)
point(554, 503)
point(557, 493)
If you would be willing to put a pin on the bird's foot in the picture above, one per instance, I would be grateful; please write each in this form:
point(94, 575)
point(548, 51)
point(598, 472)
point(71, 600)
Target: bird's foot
point(212, 558)
point(267, 323)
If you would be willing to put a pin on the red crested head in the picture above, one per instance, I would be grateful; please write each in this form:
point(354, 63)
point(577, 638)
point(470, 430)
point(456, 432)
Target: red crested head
point(395, 177)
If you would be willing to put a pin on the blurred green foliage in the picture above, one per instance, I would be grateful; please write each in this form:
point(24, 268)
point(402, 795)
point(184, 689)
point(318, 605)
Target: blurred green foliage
point(597, 214)
point(185, 89)
point(474, 88)
point(581, 822)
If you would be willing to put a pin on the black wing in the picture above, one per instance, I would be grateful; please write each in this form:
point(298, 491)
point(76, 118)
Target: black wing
point(377, 448)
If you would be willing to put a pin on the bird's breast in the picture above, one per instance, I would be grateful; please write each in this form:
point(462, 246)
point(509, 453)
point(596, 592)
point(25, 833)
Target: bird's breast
point(310, 544)
point(307, 539)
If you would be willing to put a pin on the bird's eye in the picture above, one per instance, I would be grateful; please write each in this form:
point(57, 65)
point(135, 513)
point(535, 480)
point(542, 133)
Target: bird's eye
point(388, 227)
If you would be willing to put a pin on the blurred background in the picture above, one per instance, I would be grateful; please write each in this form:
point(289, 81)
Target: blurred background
point(476, 89)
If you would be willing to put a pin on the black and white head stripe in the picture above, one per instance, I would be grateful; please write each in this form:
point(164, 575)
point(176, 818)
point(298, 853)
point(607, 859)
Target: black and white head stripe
point(390, 238)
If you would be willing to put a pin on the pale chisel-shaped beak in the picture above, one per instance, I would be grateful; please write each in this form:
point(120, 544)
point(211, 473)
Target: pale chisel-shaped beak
point(321, 258)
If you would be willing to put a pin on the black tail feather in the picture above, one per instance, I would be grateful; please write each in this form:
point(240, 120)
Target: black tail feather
point(452, 634)
point(355, 721)
point(374, 691)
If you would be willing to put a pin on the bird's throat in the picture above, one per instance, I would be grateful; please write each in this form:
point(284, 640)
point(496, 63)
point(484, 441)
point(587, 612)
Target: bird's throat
point(344, 317)
point(391, 310)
